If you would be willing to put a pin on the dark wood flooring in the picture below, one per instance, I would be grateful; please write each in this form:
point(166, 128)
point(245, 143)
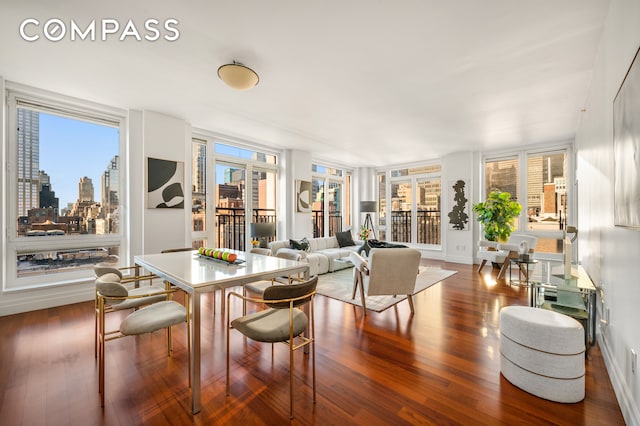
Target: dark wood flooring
point(441, 366)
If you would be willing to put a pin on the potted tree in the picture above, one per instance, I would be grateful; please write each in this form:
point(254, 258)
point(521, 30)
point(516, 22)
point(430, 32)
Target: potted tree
point(497, 215)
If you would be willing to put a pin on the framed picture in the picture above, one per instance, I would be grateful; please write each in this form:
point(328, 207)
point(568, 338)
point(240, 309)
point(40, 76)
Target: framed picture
point(303, 196)
point(459, 214)
point(165, 183)
point(626, 149)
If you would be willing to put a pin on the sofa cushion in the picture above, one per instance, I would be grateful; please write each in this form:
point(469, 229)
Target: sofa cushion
point(290, 250)
point(332, 242)
point(303, 244)
point(345, 239)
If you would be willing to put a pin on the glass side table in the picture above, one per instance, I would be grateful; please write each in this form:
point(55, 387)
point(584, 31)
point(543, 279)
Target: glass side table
point(574, 296)
point(523, 272)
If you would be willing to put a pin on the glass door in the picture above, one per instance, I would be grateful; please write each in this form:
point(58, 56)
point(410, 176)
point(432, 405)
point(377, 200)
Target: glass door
point(230, 205)
point(334, 200)
point(401, 211)
point(317, 207)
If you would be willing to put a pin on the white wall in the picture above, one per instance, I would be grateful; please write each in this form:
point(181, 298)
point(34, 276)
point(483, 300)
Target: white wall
point(610, 254)
point(458, 246)
point(296, 165)
point(165, 138)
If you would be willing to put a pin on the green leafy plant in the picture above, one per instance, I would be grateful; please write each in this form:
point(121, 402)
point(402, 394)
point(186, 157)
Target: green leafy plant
point(497, 215)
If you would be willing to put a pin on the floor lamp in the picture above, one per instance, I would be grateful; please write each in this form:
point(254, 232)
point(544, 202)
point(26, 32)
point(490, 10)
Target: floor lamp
point(369, 207)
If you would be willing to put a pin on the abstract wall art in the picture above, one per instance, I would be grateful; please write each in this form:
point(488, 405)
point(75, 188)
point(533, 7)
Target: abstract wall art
point(459, 214)
point(303, 196)
point(165, 183)
point(626, 149)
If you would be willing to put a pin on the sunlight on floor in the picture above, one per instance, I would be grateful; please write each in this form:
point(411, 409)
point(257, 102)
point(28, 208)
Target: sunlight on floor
point(489, 281)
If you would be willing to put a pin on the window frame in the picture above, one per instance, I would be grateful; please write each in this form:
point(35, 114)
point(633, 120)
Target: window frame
point(213, 158)
point(522, 157)
point(68, 107)
point(413, 179)
point(332, 173)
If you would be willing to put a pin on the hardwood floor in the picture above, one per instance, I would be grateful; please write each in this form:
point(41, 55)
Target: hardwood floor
point(441, 366)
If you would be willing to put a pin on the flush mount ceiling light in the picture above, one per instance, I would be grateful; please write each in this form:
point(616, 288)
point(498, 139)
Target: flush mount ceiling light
point(237, 76)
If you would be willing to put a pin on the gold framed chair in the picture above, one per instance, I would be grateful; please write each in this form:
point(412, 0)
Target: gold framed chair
point(110, 273)
point(151, 318)
point(282, 321)
point(257, 288)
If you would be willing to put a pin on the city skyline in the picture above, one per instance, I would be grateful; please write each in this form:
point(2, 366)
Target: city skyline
point(71, 149)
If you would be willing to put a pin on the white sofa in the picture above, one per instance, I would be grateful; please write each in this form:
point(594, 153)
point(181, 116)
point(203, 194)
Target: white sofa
point(323, 253)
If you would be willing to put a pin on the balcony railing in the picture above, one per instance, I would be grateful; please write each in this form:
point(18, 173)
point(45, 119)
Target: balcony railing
point(335, 223)
point(428, 226)
point(230, 225)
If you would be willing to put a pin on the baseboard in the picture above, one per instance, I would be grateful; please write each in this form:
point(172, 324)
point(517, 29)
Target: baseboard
point(465, 260)
point(630, 411)
point(17, 302)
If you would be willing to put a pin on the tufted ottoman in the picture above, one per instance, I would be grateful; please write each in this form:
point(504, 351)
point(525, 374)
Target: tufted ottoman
point(542, 352)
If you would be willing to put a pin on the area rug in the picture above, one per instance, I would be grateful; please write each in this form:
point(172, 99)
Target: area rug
point(339, 286)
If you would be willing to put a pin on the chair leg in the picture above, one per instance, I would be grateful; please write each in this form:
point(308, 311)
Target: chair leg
point(503, 269)
point(244, 302)
point(410, 298)
point(356, 278)
point(313, 351)
point(222, 309)
point(95, 331)
point(101, 354)
point(364, 304)
point(523, 271)
point(484, 262)
point(291, 378)
point(227, 326)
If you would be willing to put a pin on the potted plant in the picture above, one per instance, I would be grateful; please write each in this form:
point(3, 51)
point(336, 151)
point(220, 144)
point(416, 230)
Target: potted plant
point(497, 215)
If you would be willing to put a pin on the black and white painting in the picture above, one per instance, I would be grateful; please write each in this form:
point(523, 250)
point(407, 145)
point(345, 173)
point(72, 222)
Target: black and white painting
point(303, 196)
point(165, 182)
point(626, 149)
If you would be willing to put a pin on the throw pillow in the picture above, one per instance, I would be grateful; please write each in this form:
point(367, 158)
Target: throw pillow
point(303, 244)
point(345, 239)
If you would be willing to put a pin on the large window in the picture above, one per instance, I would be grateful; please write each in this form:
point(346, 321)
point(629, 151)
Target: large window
point(245, 182)
point(65, 190)
point(543, 194)
point(199, 217)
point(503, 175)
point(413, 196)
point(330, 194)
point(547, 202)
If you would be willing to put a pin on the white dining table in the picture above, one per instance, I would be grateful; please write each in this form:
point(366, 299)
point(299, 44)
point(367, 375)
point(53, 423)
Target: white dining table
point(197, 275)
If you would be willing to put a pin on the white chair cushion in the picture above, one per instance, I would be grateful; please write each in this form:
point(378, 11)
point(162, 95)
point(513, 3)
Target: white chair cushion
point(270, 325)
point(154, 317)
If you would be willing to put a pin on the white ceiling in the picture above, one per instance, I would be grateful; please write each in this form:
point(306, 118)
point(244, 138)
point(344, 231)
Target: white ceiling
point(361, 82)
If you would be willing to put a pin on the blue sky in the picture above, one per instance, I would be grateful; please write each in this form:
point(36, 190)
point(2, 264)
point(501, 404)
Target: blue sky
point(71, 149)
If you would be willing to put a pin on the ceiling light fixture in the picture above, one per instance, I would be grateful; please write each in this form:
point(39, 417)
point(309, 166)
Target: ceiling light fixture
point(238, 76)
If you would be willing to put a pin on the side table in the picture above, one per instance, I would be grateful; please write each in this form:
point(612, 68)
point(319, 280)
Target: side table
point(519, 281)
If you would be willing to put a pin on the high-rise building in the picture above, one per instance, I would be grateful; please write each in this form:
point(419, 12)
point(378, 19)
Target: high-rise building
point(85, 190)
point(28, 161)
point(109, 187)
point(47, 196)
point(198, 169)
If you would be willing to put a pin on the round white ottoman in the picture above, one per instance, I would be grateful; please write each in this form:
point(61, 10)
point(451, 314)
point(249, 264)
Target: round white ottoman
point(542, 352)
